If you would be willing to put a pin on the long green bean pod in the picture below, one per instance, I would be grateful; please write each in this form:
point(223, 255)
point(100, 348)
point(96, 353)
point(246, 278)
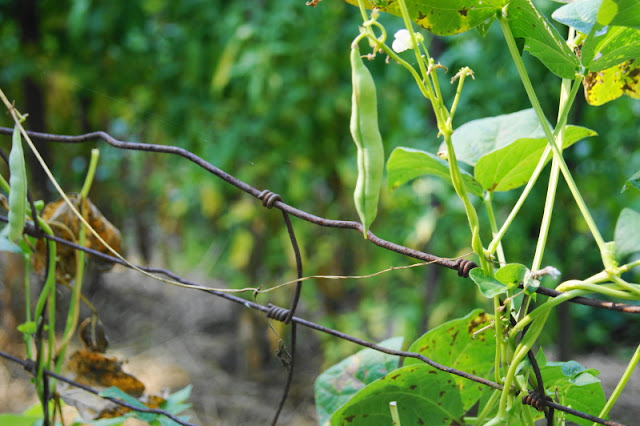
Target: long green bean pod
point(17, 188)
point(366, 135)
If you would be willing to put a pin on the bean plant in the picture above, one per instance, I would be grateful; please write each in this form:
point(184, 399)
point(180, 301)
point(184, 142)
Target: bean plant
point(505, 153)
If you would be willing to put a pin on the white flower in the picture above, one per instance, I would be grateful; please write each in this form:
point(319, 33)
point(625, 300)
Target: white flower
point(403, 42)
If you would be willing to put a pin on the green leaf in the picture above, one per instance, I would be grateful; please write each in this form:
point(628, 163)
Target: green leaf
point(608, 46)
point(114, 392)
point(442, 17)
point(489, 287)
point(460, 344)
point(624, 13)
point(627, 233)
point(28, 327)
point(406, 163)
point(576, 387)
point(18, 420)
point(175, 403)
point(512, 274)
point(541, 38)
point(513, 165)
point(581, 14)
point(476, 138)
point(632, 182)
point(335, 386)
point(423, 395)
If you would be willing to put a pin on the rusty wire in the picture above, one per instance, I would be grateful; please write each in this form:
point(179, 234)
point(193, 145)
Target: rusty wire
point(270, 200)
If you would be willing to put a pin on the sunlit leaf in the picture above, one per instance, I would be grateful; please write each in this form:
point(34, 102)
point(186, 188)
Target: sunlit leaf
point(604, 86)
point(541, 38)
point(476, 138)
point(423, 396)
point(512, 274)
point(513, 165)
point(442, 17)
point(405, 164)
point(627, 233)
point(624, 13)
point(466, 344)
point(335, 386)
point(609, 46)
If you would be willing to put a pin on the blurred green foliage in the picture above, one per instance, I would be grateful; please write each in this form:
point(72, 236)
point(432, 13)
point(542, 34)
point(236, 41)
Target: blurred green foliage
point(262, 90)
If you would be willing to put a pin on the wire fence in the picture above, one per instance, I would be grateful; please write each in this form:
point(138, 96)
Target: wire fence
point(269, 199)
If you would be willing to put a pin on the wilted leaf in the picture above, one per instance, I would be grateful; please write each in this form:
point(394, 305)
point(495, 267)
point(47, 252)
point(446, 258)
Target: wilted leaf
point(92, 334)
point(442, 17)
point(65, 224)
point(604, 86)
point(96, 370)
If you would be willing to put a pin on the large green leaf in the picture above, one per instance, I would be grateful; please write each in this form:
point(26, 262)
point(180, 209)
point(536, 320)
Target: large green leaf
point(406, 163)
point(442, 17)
point(476, 138)
point(513, 165)
point(581, 14)
point(541, 38)
point(460, 344)
point(336, 385)
point(627, 233)
point(424, 396)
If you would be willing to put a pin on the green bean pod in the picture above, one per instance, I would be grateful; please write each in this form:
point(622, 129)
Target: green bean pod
point(366, 135)
point(17, 188)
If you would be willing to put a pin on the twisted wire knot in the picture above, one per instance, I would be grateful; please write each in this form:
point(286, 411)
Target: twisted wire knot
point(464, 266)
point(277, 313)
point(269, 198)
point(536, 400)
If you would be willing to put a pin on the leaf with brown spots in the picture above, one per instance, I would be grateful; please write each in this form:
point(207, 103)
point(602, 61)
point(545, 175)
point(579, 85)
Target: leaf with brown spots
point(466, 344)
point(604, 86)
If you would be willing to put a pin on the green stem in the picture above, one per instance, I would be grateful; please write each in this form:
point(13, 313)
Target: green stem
point(487, 408)
point(515, 55)
point(621, 384)
point(516, 208)
point(88, 180)
point(27, 305)
point(395, 416)
point(525, 345)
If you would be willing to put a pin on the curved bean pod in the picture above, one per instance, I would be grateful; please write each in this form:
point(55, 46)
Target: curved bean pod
point(366, 135)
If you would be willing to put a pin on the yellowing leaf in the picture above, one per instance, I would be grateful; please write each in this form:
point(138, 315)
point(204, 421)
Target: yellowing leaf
point(604, 86)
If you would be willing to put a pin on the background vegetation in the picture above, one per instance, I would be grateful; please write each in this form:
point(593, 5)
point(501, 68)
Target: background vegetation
point(262, 90)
